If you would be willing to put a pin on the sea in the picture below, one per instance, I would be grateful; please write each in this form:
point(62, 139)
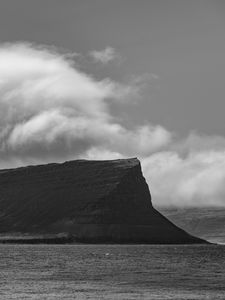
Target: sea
point(112, 272)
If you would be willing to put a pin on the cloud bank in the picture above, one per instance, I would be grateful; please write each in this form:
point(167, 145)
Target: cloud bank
point(51, 110)
point(195, 180)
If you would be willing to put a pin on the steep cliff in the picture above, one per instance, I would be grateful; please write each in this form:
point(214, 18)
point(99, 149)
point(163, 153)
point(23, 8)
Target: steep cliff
point(92, 201)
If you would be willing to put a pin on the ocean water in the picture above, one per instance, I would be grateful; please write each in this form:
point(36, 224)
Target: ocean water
point(112, 272)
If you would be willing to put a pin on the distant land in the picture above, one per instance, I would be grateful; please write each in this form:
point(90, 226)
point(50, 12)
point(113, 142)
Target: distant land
point(205, 222)
point(83, 201)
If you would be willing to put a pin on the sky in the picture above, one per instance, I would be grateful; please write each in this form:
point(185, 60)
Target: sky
point(103, 79)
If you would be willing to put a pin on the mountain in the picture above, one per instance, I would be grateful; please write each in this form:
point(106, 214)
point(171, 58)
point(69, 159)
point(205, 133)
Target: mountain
point(205, 222)
point(91, 201)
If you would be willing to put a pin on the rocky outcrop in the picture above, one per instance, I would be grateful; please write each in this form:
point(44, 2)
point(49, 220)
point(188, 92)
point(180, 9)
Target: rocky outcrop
point(92, 201)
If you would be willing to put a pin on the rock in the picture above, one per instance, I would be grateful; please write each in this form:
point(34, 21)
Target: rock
point(91, 201)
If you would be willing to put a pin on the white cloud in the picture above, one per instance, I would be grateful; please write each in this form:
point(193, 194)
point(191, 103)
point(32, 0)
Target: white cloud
point(51, 110)
point(104, 56)
point(195, 180)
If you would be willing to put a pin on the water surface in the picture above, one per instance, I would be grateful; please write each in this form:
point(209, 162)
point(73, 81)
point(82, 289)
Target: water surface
point(112, 272)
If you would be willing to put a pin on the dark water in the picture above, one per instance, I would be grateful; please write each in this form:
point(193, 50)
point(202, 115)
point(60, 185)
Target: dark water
point(112, 272)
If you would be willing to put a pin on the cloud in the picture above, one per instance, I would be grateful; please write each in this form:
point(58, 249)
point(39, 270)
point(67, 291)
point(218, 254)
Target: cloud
point(104, 56)
point(196, 142)
point(52, 111)
point(197, 179)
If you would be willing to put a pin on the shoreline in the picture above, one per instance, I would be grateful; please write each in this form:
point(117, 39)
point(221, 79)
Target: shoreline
point(72, 240)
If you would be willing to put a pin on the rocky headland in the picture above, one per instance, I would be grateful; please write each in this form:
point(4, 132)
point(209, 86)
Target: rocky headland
point(83, 201)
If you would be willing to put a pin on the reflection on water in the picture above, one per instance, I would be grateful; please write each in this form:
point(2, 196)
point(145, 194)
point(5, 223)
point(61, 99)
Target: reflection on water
point(112, 272)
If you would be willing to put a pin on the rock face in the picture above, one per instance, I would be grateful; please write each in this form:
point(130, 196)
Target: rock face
point(92, 201)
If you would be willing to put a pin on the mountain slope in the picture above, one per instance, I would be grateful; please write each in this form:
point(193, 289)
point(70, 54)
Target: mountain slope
point(94, 201)
point(205, 222)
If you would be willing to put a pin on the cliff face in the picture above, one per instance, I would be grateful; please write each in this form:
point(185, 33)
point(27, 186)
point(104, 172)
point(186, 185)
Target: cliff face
point(94, 201)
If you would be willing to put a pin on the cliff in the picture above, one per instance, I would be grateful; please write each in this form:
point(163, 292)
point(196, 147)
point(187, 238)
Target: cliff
point(92, 201)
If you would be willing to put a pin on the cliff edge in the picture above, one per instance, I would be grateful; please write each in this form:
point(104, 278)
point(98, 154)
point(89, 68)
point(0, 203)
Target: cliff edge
point(91, 201)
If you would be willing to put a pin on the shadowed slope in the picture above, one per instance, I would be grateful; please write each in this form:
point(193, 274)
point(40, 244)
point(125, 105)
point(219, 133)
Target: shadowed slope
point(205, 222)
point(94, 201)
